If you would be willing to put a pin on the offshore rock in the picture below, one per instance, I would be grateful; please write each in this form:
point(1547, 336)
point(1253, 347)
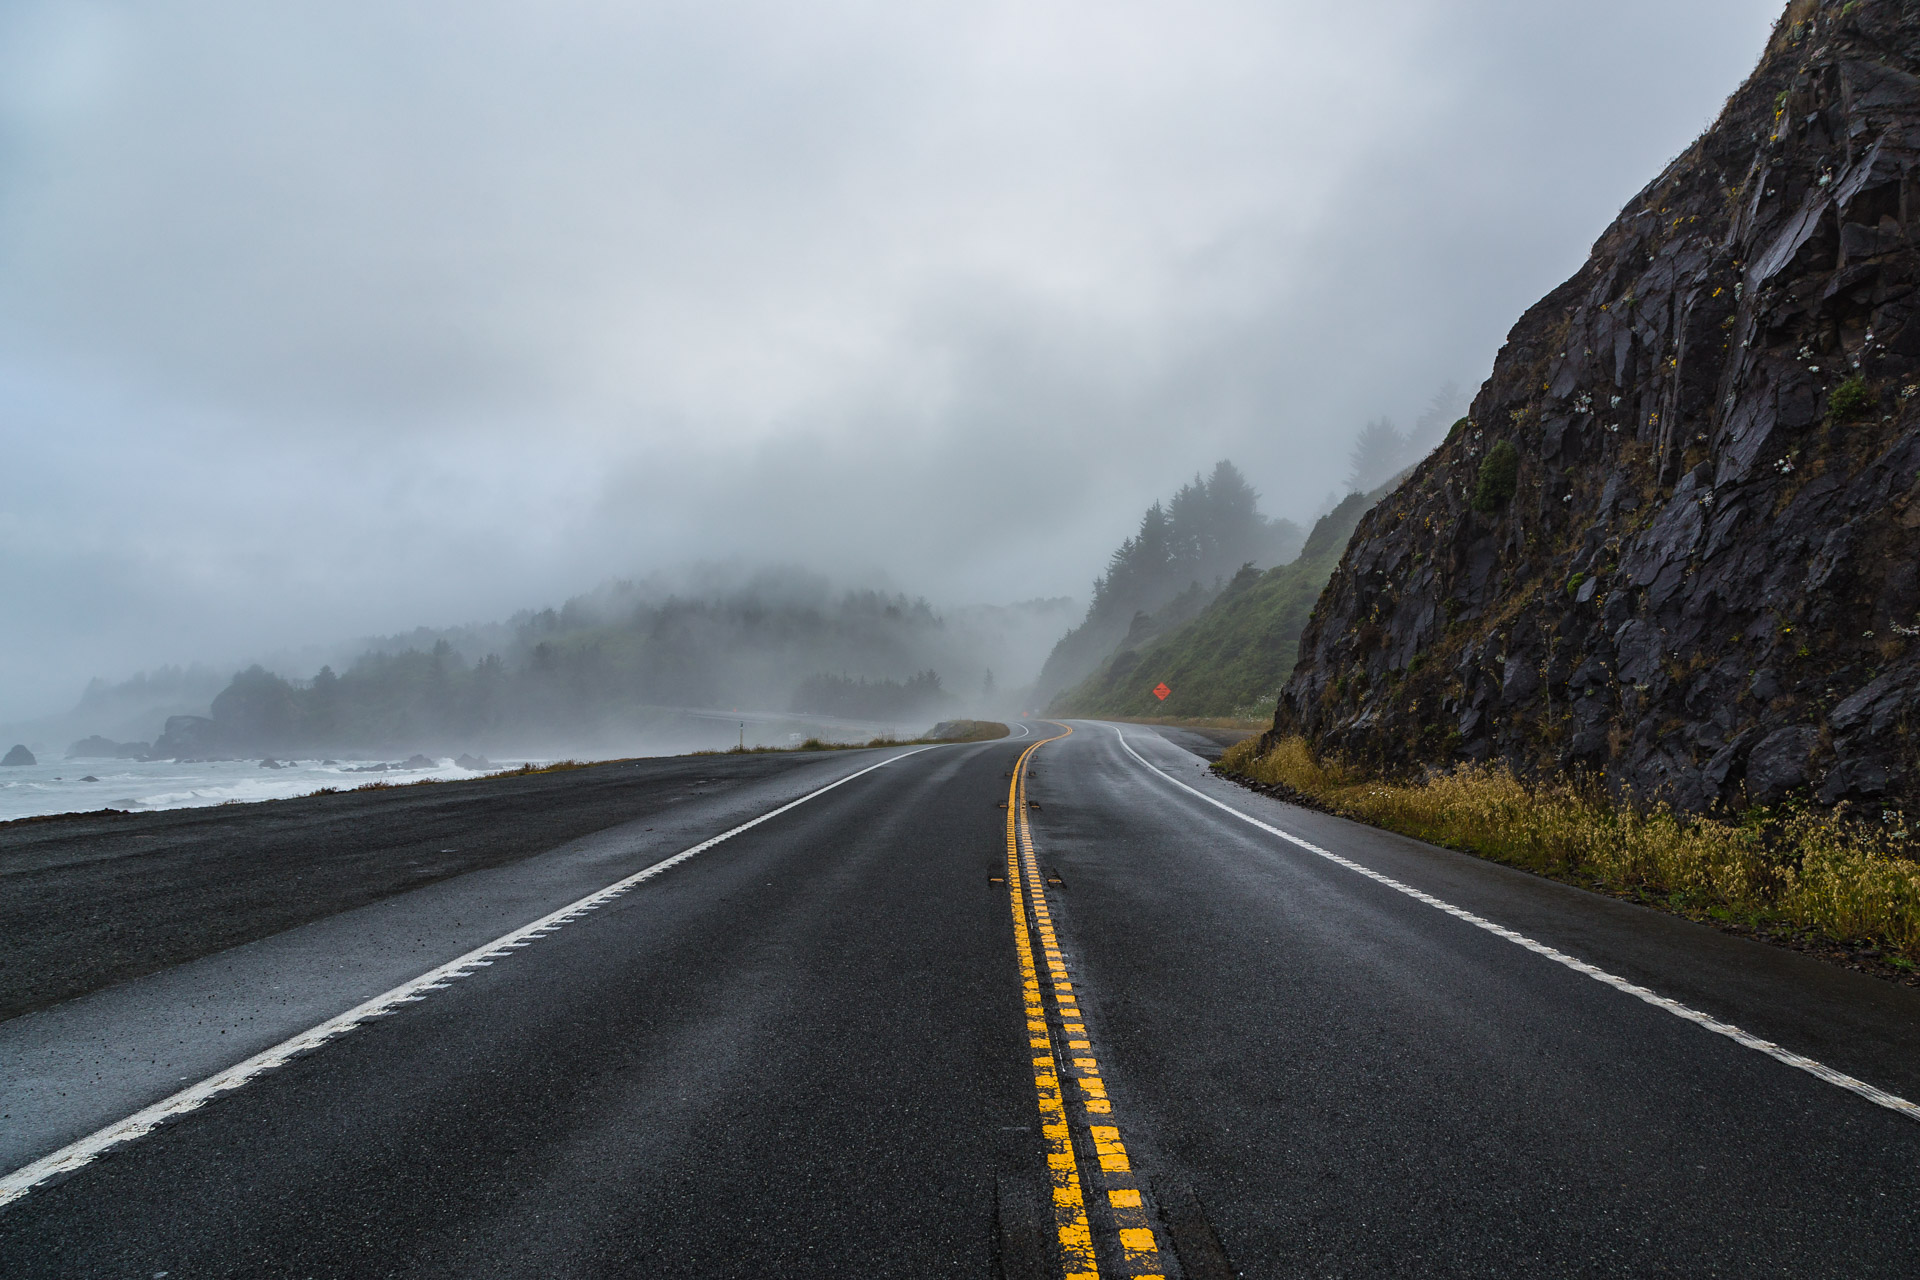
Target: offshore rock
point(19, 756)
point(189, 738)
point(1703, 579)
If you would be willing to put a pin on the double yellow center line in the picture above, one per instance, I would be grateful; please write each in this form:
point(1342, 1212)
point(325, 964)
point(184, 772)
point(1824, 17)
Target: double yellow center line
point(1050, 1030)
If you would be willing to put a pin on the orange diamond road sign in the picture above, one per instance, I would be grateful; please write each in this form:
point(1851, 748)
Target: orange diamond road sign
point(1161, 691)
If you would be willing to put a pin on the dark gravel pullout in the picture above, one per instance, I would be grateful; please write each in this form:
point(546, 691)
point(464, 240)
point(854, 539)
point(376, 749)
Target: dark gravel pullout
point(93, 899)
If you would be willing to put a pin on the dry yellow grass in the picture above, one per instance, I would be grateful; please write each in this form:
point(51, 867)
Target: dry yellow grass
point(1849, 880)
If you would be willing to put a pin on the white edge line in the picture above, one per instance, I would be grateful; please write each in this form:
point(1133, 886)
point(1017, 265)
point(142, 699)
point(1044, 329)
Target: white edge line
point(1879, 1097)
point(77, 1154)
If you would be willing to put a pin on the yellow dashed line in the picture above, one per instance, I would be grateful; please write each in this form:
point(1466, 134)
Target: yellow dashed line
point(1138, 1245)
point(1112, 1152)
point(1072, 1229)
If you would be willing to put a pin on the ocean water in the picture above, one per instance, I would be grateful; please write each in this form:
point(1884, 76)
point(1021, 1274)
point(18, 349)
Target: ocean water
point(57, 785)
point(71, 786)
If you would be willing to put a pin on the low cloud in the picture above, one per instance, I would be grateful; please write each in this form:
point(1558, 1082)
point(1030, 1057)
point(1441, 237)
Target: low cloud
point(321, 320)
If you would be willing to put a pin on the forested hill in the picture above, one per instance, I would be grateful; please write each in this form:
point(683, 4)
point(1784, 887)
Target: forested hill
point(1185, 551)
point(583, 675)
point(1231, 659)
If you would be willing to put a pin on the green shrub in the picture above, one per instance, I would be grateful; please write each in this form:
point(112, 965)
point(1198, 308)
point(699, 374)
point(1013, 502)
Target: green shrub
point(1851, 399)
point(1499, 478)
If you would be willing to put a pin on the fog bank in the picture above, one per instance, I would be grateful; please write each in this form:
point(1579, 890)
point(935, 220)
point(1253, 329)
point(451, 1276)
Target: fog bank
point(329, 320)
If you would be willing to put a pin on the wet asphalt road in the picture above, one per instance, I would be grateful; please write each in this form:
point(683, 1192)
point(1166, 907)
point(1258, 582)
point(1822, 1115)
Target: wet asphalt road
point(804, 1052)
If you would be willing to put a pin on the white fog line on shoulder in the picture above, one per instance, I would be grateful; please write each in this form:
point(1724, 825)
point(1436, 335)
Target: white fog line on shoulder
point(1879, 1097)
point(78, 1154)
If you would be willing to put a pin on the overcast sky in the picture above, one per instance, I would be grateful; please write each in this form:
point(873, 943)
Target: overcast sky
point(334, 318)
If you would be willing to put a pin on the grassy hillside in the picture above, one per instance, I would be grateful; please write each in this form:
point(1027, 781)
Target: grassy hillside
point(1168, 571)
point(1231, 660)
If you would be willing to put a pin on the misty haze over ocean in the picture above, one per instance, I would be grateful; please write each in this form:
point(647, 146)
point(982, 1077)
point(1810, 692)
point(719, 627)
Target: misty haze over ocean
point(321, 322)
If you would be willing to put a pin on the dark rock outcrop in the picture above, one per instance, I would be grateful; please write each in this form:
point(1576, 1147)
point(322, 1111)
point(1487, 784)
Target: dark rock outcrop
point(1702, 577)
point(19, 756)
point(189, 738)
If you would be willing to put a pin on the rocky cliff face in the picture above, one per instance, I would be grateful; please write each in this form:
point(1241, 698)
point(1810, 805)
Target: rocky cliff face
point(1677, 538)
